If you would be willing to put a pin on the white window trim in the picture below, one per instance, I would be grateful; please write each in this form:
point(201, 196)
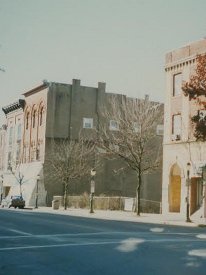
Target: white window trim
point(176, 129)
point(160, 130)
point(86, 122)
point(112, 126)
point(177, 89)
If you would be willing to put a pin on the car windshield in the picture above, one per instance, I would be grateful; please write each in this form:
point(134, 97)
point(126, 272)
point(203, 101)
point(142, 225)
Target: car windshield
point(17, 197)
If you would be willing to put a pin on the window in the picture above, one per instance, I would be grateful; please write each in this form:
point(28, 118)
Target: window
point(18, 154)
point(10, 135)
point(137, 127)
point(176, 127)
point(41, 116)
point(18, 132)
point(37, 154)
point(27, 121)
point(113, 125)
point(9, 161)
point(177, 84)
point(160, 130)
point(202, 114)
point(114, 147)
point(88, 123)
point(34, 118)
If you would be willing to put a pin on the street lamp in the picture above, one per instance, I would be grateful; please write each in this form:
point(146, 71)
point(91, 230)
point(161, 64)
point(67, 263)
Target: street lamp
point(204, 188)
point(37, 189)
point(1, 183)
point(188, 192)
point(92, 189)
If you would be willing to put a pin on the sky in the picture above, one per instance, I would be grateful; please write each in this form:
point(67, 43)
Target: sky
point(120, 42)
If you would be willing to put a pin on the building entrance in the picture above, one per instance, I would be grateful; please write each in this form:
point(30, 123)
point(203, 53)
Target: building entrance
point(175, 189)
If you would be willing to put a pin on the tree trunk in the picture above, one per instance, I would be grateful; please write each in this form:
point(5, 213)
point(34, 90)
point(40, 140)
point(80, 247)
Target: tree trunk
point(20, 190)
point(138, 193)
point(65, 196)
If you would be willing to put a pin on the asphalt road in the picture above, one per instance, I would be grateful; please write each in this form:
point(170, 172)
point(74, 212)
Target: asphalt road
point(41, 243)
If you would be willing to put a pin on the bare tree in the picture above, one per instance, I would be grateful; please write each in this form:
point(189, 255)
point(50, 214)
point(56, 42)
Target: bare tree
point(131, 135)
point(19, 176)
point(70, 160)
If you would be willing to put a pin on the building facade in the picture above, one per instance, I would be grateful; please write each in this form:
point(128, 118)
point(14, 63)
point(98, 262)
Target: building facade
point(183, 156)
point(59, 111)
point(11, 141)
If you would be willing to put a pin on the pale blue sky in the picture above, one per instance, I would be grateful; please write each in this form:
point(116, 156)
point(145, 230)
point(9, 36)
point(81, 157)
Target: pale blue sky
point(120, 42)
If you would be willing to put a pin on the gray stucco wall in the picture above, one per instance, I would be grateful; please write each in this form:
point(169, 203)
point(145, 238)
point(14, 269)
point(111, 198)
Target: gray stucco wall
point(58, 110)
point(67, 106)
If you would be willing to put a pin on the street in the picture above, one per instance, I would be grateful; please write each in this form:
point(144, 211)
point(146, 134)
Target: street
point(42, 243)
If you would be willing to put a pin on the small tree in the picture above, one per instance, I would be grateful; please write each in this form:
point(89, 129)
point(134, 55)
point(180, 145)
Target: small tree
point(69, 160)
point(132, 136)
point(195, 88)
point(19, 176)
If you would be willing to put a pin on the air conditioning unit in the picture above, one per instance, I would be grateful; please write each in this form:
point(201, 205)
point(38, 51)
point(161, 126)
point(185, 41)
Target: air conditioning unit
point(176, 137)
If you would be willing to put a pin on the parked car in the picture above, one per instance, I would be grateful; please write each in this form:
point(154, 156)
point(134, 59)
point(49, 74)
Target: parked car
point(14, 201)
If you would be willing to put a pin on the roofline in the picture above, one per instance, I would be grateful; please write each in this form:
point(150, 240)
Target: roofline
point(14, 106)
point(36, 89)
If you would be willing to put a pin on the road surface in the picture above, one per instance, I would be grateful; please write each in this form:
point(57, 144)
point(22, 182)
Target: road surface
point(41, 243)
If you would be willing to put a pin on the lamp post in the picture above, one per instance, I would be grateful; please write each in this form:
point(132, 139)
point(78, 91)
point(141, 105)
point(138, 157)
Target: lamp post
point(188, 193)
point(37, 189)
point(204, 188)
point(92, 189)
point(1, 185)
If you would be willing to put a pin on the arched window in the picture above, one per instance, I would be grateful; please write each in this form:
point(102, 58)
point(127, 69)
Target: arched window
point(27, 121)
point(19, 132)
point(41, 115)
point(34, 118)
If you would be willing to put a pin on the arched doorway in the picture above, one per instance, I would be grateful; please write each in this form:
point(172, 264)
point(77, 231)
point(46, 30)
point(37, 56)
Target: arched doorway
point(175, 189)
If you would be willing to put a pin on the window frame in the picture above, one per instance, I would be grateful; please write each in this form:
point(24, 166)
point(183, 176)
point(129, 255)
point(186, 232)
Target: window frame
point(88, 121)
point(112, 127)
point(177, 85)
point(176, 131)
point(27, 121)
point(159, 128)
point(34, 119)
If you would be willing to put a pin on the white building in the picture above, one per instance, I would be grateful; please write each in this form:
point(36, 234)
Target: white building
point(183, 156)
point(17, 178)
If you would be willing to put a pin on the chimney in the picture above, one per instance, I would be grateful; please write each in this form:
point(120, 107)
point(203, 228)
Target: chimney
point(146, 97)
point(102, 86)
point(76, 82)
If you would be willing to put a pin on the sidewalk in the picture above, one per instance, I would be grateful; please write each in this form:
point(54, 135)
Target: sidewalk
point(123, 216)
